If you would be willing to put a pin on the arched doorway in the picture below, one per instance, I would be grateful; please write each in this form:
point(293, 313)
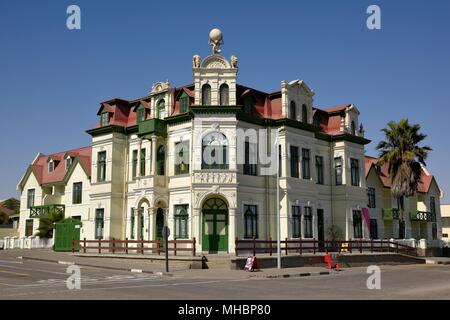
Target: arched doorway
point(159, 224)
point(215, 225)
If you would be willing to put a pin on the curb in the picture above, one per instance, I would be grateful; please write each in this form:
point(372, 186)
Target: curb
point(437, 262)
point(295, 275)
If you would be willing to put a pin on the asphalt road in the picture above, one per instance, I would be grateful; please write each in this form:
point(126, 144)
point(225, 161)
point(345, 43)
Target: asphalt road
point(24, 279)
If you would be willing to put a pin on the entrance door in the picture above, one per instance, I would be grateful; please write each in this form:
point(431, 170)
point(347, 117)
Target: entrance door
point(159, 224)
point(320, 228)
point(215, 226)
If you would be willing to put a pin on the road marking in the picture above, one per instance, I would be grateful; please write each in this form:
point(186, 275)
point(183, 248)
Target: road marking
point(15, 273)
point(14, 262)
point(136, 270)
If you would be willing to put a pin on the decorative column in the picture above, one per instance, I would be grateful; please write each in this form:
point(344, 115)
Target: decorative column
point(138, 169)
point(231, 229)
point(195, 227)
point(153, 156)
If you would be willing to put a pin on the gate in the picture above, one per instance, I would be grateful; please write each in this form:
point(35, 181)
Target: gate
point(65, 232)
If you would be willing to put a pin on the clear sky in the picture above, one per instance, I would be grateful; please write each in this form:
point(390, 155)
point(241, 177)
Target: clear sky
point(53, 79)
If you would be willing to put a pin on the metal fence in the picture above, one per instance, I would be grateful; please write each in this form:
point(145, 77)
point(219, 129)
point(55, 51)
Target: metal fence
point(25, 243)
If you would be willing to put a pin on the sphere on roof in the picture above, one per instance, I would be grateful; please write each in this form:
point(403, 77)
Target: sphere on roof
point(215, 35)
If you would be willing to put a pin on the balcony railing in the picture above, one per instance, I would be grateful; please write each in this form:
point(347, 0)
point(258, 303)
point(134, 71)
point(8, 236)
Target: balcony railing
point(153, 126)
point(391, 214)
point(422, 216)
point(41, 211)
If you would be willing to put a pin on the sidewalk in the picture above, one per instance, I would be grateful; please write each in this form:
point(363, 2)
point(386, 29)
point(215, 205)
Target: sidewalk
point(148, 266)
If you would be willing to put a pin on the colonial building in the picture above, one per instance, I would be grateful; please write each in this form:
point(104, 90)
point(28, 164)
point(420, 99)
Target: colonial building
point(203, 159)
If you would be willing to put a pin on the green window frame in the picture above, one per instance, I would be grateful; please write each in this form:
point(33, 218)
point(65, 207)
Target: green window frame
point(319, 170)
point(142, 163)
point(181, 219)
point(181, 160)
point(69, 162)
point(307, 222)
point(160, 109)
point(140, 113)
point(99, 223)
point(104, 119)
point(251, 221)
point(357, 224)
point(30, 198)
point(161, 160)
point(306, 164)
point(338, 170)
point(212, 144)
point(354, 169)
point(371, 200)
point(77, 193)
point(296, 222)
point(51, 166)
point(101, 166)
point(183, 103)
point(134, 162)
point(250, 166)
point(294, 161)
point(29, 227)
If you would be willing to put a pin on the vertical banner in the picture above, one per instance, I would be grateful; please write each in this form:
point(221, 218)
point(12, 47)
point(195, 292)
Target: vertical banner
point(366, 216)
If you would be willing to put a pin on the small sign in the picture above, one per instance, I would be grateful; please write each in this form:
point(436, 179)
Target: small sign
point(77, 226)
point(166, 232)
point(344, 247)
point(251, 264)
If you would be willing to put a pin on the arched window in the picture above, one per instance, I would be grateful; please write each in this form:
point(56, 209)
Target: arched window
point(215, 151)
point(160, 161)
point(353, 128)
point(292, 111)
point(304, 114)
point(160, 109)
point(206, 95)
point(224, 100)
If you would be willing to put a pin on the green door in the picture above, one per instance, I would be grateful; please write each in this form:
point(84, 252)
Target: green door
point(65, 232)
point(215, 226)
point(159, 224)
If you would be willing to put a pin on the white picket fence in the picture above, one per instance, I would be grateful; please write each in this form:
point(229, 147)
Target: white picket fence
point(25, 243)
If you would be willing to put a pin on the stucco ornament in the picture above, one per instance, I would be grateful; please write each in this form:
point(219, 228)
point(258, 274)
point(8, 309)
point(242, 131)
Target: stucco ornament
point(234, 61)
point(215, 40)
point(196, 61)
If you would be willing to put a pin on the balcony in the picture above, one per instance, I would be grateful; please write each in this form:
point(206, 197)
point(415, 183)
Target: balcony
point(422, 216)
point(42, 211)
point(390, 214)
point(152, 126)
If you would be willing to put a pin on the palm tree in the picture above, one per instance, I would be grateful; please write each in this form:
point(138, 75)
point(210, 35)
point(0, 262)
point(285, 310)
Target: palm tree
point(45, 229)
point(404, 157)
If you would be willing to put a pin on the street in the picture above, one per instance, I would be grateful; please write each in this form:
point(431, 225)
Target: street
point(25, 279)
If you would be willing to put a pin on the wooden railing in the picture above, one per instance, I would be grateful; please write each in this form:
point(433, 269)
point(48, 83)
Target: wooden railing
point(140, 246)
point(323, 246)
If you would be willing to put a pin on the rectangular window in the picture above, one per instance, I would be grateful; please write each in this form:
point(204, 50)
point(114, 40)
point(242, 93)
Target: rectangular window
point(134, 162)
point(434, 231)
point(101, 166)
point(140, 114)
point(279, 161)
point(99, 223)
point(307, 222)
point(354, 166)
point(296, 222)
point(29, 228)
point(251, 221)
point(338, 170)
point(373, 229)
point(432, 205)
point(250, 159)
point(132, 222)
point(181, 158)
point(184, 103)
point(319, 169)
point(357, 224)
point(69, 162)
point(294, 161)
point(371, 197)
point(142, 167)
point(51, 166)
point(181, 219)
point(77, 193)
point(104, 119)
point(306, 166)
point(30, 198)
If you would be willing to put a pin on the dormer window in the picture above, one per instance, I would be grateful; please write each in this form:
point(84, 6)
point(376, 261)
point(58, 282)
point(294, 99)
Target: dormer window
point(140, 113)
point(104, 119)
point(292, 111)
point(184, 103)
point(51, 166)
point(248, 104)
point(160, 109)
point(69, 162)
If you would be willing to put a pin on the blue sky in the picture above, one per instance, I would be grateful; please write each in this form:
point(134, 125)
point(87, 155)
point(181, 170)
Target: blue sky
point(53, 79)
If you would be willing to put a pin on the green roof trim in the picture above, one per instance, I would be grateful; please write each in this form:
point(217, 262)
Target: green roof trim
point(105, 130)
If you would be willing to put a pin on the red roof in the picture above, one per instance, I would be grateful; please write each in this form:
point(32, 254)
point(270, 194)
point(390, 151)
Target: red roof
point(40, 167)
point(383, 173)
point(6, 210)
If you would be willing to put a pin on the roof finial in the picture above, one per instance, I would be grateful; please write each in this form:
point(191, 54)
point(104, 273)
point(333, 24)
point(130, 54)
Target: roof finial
point(215, 40)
